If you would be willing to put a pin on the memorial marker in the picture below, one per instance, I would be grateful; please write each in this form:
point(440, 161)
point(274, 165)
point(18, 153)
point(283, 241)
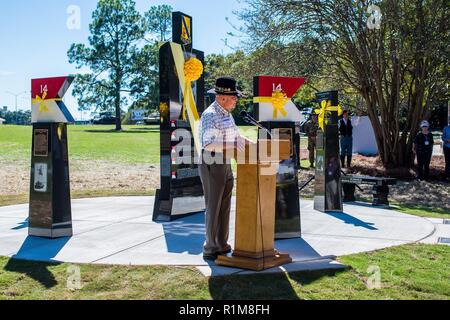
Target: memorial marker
point(275, 110)
point(50, 209)
point(181, 101)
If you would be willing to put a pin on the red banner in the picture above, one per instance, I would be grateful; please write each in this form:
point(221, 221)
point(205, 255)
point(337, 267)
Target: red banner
point(268, 84)
point(55, 87)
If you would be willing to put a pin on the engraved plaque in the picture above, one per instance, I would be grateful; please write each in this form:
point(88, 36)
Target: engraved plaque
point(41, 142)
point(40, 177)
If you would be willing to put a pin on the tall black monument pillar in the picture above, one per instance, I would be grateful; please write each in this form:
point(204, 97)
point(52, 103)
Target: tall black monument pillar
point(50, 209)
point(181, 191)
point(327, 190)
point(276, 111)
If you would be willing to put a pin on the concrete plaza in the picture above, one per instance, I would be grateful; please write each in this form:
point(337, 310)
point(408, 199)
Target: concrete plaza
point(120, 230)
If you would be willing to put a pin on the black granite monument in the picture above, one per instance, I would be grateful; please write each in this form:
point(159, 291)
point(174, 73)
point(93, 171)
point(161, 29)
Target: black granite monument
point(181, 191)
point(50, 212)
point(287, 206)
point(328, 189)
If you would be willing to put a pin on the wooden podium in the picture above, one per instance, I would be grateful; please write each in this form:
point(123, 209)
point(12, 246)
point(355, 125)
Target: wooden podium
point(255, 207)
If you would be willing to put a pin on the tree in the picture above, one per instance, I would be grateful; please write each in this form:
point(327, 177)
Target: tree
point(159, 20)
point(115, 31)
point(398, 66)
point(145, 85)
point(234, 65)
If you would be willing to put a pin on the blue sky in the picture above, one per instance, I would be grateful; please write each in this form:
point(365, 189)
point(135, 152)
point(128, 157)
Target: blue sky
point(35, 38)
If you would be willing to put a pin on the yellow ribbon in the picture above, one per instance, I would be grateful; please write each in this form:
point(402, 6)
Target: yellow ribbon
point(278, 100)
point(188, 101)
point(43, 102)
point(193, 70)
point(324, 111)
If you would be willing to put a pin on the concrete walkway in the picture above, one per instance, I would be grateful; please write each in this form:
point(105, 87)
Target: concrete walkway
point(121, 231)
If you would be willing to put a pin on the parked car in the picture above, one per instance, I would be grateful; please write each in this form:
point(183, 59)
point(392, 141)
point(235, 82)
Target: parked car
point(152, 119)
point(104, 118)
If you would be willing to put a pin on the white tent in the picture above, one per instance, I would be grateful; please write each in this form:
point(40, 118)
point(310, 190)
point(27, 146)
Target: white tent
point(2, 120)
point(363, 136)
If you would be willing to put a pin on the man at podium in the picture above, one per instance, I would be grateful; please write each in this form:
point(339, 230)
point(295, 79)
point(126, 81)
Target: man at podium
point(219, 134)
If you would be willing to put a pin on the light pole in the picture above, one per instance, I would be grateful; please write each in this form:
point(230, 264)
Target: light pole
point(16, 95)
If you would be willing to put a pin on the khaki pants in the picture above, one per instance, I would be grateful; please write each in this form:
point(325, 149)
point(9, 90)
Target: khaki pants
point(217, 180)
point(311, 149)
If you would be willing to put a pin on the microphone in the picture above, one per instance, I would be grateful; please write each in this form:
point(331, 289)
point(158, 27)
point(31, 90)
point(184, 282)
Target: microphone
point(249, 119)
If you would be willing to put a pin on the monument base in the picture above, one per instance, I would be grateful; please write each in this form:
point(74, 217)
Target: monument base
point(177, 207)
point(50, 233)
point(254, 263)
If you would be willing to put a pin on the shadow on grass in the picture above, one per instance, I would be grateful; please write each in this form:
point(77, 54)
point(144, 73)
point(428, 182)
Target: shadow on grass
point(304, 278)
point(36, 270)
point(156, 128)
point(252, 287)
point(35, 249)
point(122, 131)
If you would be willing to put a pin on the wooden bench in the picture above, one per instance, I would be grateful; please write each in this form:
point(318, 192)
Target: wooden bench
point(380, 189)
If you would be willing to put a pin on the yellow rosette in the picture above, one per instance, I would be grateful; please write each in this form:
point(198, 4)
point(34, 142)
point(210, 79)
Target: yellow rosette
point(188, 71)
point(42, 101)
point(278, 100)
point(193, 70)
point(326, 107)
point(163, 110)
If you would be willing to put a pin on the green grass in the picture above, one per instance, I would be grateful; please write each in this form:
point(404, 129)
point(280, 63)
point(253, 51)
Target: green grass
point(9, 200)
point(407, 272)
point(422, 211)
point(135, 144)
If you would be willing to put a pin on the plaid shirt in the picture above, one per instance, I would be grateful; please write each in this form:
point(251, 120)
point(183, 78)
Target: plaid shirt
point(217, 125)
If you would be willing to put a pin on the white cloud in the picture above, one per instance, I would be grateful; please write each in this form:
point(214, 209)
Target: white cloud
point(4, 73)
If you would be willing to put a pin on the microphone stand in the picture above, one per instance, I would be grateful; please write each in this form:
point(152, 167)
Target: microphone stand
point(250, 120)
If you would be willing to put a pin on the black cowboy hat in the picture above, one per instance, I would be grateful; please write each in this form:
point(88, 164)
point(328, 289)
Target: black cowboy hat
point(226, 86)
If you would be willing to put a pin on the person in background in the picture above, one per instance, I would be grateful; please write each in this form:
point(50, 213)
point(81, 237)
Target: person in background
point(423, 148)
point(446, 147)
point(346, 139)
point(311, 127)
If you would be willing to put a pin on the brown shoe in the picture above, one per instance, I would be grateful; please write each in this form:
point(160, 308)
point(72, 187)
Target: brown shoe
point(226, 251)
point(210, 256)
point(221, 253)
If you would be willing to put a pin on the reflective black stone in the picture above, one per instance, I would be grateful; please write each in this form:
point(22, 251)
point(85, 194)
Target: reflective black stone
point(327, 189)
point(181, 191)
point(50, 212)
point(287, 207)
